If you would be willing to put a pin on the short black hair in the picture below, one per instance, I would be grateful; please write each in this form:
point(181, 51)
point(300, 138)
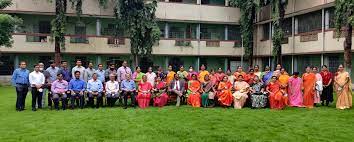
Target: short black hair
point(324, 66)
point(59, 74)
point(35, 65)
point(99, 65)
point(77, 72)
point(51, 62)
point(296, 73)
point(63, 61)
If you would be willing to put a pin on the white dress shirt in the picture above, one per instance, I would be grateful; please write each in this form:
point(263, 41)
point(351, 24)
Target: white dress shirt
point(151, 78)
point(36, 78)
point(177, 85)
point(112, 87)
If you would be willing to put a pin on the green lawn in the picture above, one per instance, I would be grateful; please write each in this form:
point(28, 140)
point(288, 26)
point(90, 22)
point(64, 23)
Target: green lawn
point(172, 124)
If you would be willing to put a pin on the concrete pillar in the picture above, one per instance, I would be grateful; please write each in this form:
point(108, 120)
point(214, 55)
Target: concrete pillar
point(198, 31)
point(227, 2)
point(99, 59)
point(225, 64)
point(323, 34)
point(326, 19)
point(198, 64)
point(226, 32)
point(167, 0)
point(166, 61)
point(16, 61)
point(296, 26)
point(98, 27)
point(199, 1)
point(166, 30)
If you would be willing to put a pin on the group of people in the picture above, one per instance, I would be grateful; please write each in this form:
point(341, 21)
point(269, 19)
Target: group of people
point(80, 87)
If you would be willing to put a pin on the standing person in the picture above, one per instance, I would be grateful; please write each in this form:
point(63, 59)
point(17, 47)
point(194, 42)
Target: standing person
point(112, 90)
point(79, 68)
point(342, 85)
point(170, 75)
point(240, 71)
point(111, 70)
point(283, 81)
point(89, 71)
point(219, 75)
point(309, 81)
point(191, 72)
point(101, 73)
point(250, 76)
point(144, 93)
point(208, 90)
point(202, 73)
point(160, 72)
point(277, 70)
point(241, 88)
point(276, 95)
point(37, 80)
point(128, 89)
point(194, 92)
point(123, 71)
point(46, 87)
point(224, 92)
point(267, 75)
point(59, 89)
point(231, 77)
point(77, 88)
point(318, 86)
point(257, 71)
point(182, 73)
point(259, 97)
point(159, 92)
point(177, 88)
point(213, 77)
point(20, 81)
point(151, 76)
point(53, 71)
point(327, 94)
point(295, 93)
point(94, 90)
point(65, 71)
point(137, 76)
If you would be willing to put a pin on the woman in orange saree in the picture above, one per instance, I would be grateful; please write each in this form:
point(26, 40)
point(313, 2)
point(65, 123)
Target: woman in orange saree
point(193, 92)
point(170, 75)
point(224, 92)
point(276, 95)
point(144, 93)
point(342, 86)
point(283, 80)
point(309, 81)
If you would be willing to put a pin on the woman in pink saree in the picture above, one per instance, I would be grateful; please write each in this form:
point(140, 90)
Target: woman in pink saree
point(295, 94)
point(241, 90)
point(144, 93)
point(160, 95)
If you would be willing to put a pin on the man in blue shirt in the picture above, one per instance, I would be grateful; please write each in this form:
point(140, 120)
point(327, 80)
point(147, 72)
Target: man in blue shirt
point(128, 88)
point(100, 73)
point(65, 71)
point(53, 71)
point(77, 88)
point(20, 80)
point(94, 90)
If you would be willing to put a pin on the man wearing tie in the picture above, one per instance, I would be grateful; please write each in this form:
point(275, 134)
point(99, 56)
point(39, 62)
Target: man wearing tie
point(176, 87)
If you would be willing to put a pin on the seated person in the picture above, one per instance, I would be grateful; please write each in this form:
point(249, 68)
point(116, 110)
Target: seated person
point(128, 89)
point(94, 90)
point(177, 88)
point(112, 90)
point(77, 88)
point(59, 89)
point(241, 90)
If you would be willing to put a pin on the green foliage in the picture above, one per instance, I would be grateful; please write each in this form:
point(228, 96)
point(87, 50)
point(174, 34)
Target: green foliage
point(344, 14)
point(278, 12)
point(7, 25)
point(140, 22)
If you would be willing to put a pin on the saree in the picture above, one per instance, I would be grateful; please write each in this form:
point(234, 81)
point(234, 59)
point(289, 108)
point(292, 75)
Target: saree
point(294, 90)
point(144, 94)
point(244, 75)
point(225, 95)
point(182, 74)
point(160, 96)
point(208, 93)
point(283, 80)
point(276, 98)
point(327, 93)
point(201, 75)
point(170, 76)
point(309, 80)
point(250, 78)
point(344, 90)
point(266, 77)
point(137, 78)
point(319, 88)
point(190, 75)
point(193, 93)
point(258, 98)
point(240, 95)
point(213, 79)
point(219, 76)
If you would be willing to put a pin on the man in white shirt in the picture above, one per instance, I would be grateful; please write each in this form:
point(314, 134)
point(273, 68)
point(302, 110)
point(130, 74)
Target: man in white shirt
point(36, 79)
point(89, 71)
point(112, 90)
point(79, 68)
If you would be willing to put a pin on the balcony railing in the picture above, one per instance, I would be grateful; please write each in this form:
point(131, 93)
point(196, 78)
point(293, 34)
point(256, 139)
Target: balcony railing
point(183, 42)
point(213, 43)
point(116, 41)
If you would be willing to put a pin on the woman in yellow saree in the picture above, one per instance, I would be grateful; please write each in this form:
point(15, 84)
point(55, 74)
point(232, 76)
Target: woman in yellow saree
point(193, 92)
point(342, 85)
point(283, 81)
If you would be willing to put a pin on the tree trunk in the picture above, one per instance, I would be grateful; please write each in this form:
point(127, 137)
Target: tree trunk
point(136, 61)
point(58, 8)
point(281, 24)
point(348, 48)
point(57, 56)
point(250, 56)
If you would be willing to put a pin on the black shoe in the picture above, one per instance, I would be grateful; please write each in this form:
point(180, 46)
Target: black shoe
point(34, 109)
point(125, 107)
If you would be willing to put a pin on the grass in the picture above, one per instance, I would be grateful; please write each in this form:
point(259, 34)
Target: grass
point(172, 124)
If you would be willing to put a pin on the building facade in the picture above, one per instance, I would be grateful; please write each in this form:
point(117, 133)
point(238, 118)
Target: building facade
point(194, 32)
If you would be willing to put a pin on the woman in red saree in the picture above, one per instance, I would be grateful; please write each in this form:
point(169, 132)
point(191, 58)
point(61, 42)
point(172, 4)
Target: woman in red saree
point(276, 95)
point(193, 92)
point(144, 93)
point(309, 81)
point(224, 92)
point(160, 96)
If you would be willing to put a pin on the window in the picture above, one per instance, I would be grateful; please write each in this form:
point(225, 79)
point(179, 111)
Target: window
point(234, 32)
point(80, 30)
point(45, 60)
point(214, 2)
point(213, 32)
point(162, 28)
point(266, 31)
point(184, 1)
point(287, 27)
point(331, 17)
point(6, 65)
point(109, 31)
point(182, 30)
point(43, 27)
point(310, 22)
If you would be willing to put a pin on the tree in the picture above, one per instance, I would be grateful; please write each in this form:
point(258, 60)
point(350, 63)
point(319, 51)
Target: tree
point(248, 13)
point(7, 25)
point(344, 17)
point(139, 20)
point(59, 25)
point(278, 12)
